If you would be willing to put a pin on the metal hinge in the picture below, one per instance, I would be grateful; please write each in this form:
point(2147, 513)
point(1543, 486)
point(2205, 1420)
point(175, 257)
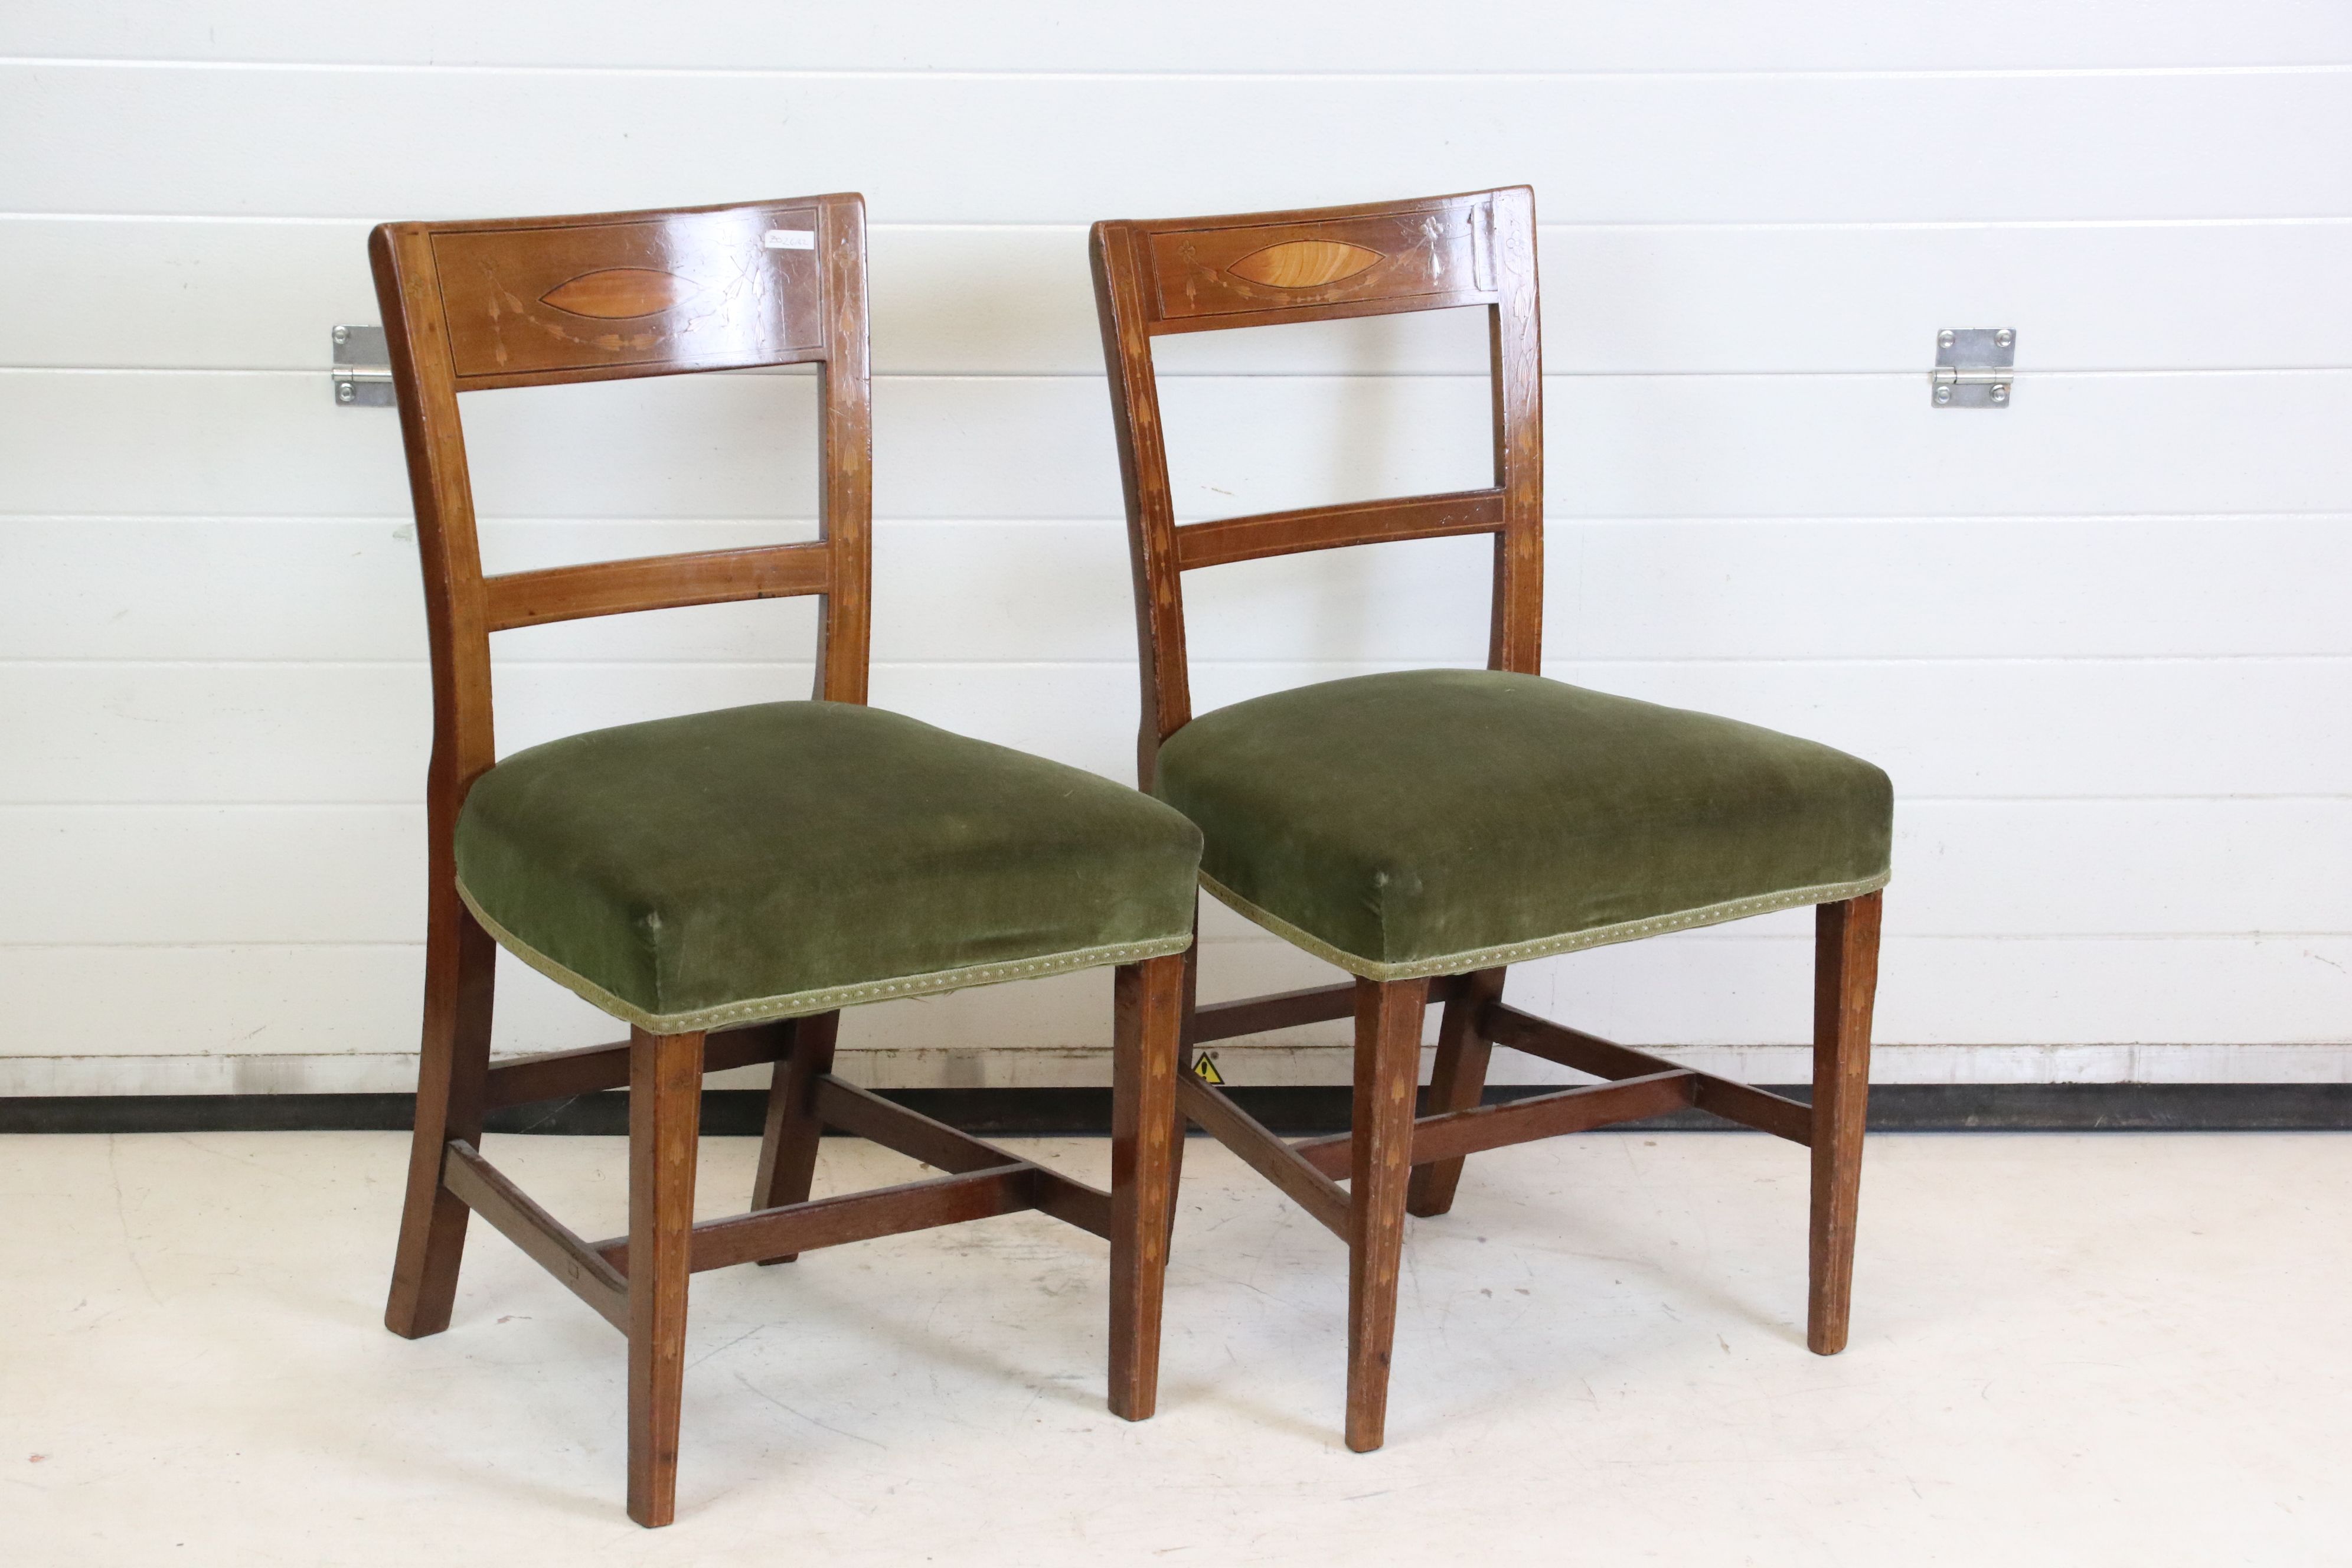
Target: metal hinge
point(1973, 367)
point(362, 370)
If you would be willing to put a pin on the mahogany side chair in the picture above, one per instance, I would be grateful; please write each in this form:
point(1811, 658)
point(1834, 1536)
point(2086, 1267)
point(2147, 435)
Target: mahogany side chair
point(1425, 829)
point(724, 883)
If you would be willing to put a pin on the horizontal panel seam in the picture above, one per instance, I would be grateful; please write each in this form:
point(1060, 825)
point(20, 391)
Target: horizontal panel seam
point(1026, 1051)
point(411, 805)
point(1709, 934)
point(1564, 520)
point(1598, 226)
point(507, 1053)
point(1129, 78)
point(1554, 521)
point(2024, 374)
point(1563, 662)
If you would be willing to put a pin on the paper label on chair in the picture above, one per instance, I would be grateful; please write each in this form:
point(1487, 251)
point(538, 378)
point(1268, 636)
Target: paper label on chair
point(790, 240)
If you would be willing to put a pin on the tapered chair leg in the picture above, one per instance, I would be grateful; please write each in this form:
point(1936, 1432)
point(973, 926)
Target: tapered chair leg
point(452, 1068)
point(1184, 1060)
point(1845, 977)
point(1388, 1061)
point(665, 1113)
point(1145, 1133)
point(1456, 1081)
point(788, 1146)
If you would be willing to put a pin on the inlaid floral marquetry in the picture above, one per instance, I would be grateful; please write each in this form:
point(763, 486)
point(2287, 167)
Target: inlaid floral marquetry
point(618, 293)
point(702, 290)
point(1306, 263)
point(1206, 273)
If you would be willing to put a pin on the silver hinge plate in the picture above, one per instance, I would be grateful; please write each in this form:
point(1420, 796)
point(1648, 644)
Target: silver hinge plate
point(362, 370)
point(1973, 367)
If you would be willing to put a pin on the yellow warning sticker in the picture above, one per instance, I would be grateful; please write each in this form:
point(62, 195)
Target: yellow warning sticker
point(1204, 1068)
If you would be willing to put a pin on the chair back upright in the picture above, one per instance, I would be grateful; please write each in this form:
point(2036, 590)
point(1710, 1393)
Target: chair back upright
point(536, 301)
point(1193, 275)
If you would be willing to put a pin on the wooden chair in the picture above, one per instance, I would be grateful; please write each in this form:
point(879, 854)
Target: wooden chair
point(727, 881)
point(1425, 829)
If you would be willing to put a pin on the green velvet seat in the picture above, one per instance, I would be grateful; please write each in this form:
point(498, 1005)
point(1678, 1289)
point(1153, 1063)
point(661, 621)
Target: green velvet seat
point(1431, 822)
point(793, 857)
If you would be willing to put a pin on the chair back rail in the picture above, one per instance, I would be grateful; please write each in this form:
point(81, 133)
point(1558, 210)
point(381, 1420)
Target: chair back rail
point(1193, 274)
point(496, 303)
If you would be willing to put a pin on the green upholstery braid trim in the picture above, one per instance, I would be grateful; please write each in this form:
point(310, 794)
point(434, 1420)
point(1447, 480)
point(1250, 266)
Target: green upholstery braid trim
point(800, 1003)
point(1542, 946)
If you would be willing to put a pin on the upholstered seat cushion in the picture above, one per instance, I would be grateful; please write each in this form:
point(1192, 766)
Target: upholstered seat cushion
point(791, 857)
point(1432, 821)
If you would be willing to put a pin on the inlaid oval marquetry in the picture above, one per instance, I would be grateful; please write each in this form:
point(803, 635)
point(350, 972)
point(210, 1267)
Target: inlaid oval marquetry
point(1305, 263)
point(619, 292)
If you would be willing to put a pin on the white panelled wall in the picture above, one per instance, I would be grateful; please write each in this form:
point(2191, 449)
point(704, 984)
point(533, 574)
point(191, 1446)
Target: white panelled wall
point(2101, 639)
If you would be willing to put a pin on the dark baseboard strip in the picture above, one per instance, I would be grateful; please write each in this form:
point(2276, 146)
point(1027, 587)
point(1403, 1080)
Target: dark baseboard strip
point(1893, 1108)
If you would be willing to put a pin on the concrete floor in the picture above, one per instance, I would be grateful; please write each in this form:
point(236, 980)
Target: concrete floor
point(2104, 1348)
